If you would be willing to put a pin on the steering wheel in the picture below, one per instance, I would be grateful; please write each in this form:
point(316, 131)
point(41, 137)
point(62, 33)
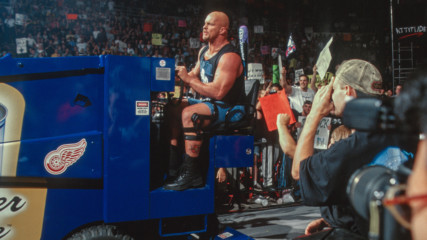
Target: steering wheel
point(181, 91)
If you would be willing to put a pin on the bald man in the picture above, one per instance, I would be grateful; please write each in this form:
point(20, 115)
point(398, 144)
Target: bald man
point(218, 77)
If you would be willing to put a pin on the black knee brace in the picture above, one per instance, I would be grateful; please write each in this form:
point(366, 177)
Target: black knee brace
point(196, 137)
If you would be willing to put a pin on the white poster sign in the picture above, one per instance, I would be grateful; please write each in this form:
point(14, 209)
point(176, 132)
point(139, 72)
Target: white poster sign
point(321, 139)
point(255, 72)
point(324, 60)
point(298, 72)
point(20, 19)
point(21, 45)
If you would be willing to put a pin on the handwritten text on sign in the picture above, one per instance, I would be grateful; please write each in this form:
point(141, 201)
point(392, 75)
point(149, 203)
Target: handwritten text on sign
point(255, 71)
point(322, 134)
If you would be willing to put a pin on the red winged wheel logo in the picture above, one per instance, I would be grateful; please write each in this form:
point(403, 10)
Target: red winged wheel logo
point(57, 161)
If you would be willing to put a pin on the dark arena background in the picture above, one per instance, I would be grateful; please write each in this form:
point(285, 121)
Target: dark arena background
point(361, 29)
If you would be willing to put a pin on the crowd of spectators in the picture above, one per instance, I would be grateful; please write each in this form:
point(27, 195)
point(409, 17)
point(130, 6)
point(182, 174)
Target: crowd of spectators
point(56, 28)
point(88, 28)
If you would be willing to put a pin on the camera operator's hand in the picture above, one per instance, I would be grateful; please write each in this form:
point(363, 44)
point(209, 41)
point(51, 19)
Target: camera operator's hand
point(322, 104)
point(316, 226)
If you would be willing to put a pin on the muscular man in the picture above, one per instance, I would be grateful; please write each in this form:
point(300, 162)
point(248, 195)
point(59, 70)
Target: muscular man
point(218, 77)
point(298, 95)
point(324, 176)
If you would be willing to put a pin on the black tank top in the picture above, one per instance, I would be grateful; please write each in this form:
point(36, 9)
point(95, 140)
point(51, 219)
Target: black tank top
point(207, 73)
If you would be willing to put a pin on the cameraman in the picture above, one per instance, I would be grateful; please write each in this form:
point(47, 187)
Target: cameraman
point(323, 176)
point(411, 106)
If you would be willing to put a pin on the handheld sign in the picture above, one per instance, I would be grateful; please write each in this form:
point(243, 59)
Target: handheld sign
point(324, 60)
point(256, 72)
point(321, 138)
point(274, 104)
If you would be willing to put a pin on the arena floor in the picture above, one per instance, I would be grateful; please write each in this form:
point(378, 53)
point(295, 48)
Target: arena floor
point(286, 221)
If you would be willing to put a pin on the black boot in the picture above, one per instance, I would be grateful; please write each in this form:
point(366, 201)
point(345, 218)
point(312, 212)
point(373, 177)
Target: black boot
point(173, 165)
point(189, 176)
point(174, 161)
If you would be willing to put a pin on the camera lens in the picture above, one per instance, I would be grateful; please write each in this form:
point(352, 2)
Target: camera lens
point(367, 184)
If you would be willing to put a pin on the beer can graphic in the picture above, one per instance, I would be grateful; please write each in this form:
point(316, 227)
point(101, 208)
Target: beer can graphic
point(3, 114)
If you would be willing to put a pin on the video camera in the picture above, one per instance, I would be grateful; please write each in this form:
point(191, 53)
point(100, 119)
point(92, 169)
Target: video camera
point(368, 186)
point(370, 114)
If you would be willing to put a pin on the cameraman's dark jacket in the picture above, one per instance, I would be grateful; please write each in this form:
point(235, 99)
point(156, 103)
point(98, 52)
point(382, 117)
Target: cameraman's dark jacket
point(324, 176)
